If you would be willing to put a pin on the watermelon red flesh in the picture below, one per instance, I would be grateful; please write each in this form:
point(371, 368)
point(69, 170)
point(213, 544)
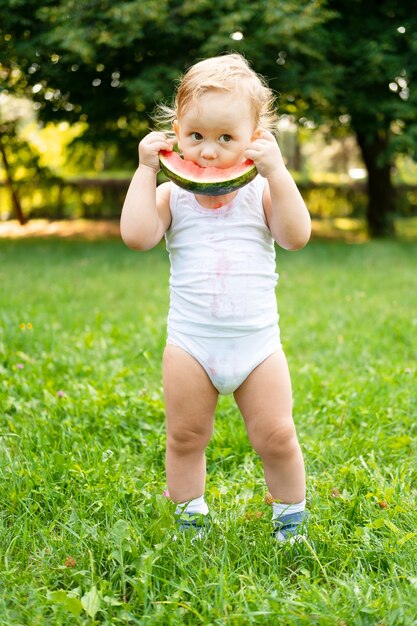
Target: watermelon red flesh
point(208, 181)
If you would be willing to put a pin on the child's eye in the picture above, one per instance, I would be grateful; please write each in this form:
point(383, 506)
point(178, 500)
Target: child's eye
point(196, 136)
point(225, 138)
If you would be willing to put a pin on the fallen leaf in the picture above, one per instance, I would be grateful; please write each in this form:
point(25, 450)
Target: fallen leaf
point(251, 515)
point(269, 499)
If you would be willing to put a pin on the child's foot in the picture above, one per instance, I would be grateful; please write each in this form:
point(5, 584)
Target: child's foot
point(194, 524)
point(290, 527)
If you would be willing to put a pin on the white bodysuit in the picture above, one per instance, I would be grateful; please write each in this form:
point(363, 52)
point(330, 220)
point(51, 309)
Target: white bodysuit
point(223, 308)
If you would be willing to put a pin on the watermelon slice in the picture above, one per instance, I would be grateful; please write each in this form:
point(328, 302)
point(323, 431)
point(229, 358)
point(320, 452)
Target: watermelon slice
point(207, 181)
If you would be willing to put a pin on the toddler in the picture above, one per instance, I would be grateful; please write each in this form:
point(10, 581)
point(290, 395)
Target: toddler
point(223, 334)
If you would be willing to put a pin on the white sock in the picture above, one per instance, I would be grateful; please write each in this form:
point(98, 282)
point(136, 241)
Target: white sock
point(278, 508)
point(197, 505)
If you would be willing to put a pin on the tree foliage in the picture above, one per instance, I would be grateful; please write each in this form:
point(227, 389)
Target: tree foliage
point(356, 70)
point(110, 63)
point(352, 66)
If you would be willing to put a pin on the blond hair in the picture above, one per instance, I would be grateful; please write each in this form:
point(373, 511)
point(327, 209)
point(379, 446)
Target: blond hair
point(229, 72)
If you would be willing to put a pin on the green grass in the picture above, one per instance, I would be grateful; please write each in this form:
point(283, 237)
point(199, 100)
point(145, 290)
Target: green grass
point(82, 447)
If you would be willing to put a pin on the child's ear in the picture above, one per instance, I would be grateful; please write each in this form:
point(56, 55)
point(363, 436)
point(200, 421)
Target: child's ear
point(176, 129)
point(257, 133)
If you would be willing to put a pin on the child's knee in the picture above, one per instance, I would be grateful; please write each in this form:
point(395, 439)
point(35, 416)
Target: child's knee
point(186, 440)
point(277, 442)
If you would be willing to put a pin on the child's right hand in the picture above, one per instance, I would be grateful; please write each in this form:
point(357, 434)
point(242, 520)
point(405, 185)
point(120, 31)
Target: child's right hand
point(150, 147)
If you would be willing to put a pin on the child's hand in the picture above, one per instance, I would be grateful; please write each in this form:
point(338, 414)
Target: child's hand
point(266, 155)
point(150, 147)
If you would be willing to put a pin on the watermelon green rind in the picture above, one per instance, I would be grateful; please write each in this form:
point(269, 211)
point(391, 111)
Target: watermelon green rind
point(206, 181)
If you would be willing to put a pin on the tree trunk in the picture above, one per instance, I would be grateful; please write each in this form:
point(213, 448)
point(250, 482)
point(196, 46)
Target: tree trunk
point(17, 208)
point(381, 191)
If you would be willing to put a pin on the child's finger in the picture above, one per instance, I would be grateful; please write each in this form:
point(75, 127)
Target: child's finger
point(252, 155)
point(165, 143)
point(268, 135)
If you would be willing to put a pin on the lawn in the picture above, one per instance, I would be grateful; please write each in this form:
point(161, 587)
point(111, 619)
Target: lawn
point(85, 533)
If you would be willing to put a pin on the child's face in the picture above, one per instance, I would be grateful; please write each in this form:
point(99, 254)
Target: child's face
point(216, 130)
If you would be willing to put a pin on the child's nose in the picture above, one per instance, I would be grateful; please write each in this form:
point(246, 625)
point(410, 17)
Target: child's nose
point(208, 151)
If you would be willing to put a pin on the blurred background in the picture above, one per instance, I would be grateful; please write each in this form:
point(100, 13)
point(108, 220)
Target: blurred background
point(80, 80)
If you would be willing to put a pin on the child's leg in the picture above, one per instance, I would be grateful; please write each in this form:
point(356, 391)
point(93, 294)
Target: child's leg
point(190, 400)
point(265, 401)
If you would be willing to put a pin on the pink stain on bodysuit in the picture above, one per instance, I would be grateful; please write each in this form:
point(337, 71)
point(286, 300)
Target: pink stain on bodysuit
point(221, 300)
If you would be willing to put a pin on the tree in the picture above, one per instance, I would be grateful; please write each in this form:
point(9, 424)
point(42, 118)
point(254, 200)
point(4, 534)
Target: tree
point(374, 54)
point(109, 63)
point(354, 68)
point(349, 65)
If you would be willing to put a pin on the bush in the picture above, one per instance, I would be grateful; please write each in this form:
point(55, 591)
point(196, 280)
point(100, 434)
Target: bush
point(103, 199)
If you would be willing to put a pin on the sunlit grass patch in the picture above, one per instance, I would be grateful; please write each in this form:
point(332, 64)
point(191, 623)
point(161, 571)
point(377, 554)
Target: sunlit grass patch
point(85, 532)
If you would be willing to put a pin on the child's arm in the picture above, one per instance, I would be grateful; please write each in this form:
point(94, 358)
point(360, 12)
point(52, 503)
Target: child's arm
point(146, 214)
point(285, 210)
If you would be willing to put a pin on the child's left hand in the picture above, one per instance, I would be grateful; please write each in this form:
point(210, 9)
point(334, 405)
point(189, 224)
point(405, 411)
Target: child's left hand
point(265, 153)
